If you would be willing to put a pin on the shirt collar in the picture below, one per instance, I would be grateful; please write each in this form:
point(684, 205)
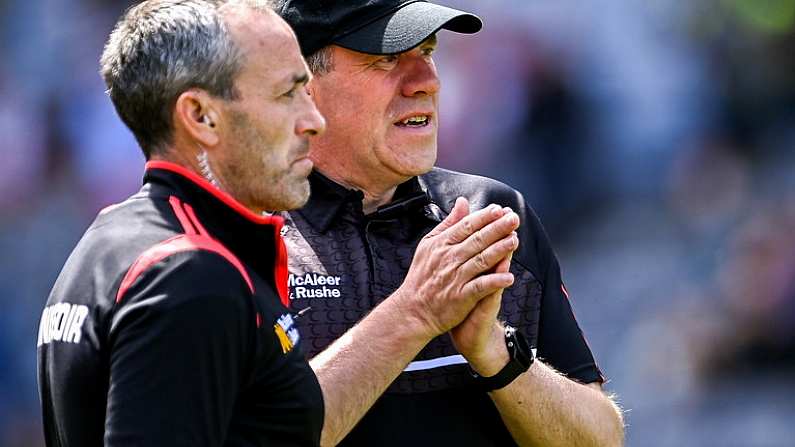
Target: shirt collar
point(328, 198)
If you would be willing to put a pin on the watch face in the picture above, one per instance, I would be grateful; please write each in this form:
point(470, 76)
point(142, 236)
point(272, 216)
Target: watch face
point(519, 348)
point(509, 331)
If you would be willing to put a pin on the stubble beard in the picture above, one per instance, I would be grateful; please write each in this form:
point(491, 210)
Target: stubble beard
point(256, 181)
point(260, 188)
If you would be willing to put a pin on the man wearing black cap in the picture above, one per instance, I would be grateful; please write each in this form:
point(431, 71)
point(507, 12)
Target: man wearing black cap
point(375, 194)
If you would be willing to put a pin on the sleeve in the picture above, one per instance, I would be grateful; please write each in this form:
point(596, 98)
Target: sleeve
point(179, 345)
point(561, 343)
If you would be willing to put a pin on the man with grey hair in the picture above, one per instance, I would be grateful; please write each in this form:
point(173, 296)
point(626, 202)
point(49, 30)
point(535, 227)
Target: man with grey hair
point(169, 323)
point(375, 195)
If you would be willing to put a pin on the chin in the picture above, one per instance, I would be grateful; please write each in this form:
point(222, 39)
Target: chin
point(416, 170)
point(286, 198)
point(423, 165)
point(299, 202)
point(298, 196)
point(417, 161)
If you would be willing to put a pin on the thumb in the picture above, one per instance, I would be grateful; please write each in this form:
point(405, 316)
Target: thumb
point(504, 265)
point(459, 211)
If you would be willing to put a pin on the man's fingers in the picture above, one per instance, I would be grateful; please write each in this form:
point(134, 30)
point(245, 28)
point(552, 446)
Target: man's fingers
point(505, 264)
point(494, 255)
point(487, 284)
point(459, 211)
point(490, 234)
point(467, 226)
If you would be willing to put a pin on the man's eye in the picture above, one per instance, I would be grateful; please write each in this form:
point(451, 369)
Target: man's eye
point(290, 93)
point(428, 51)
point(389, 58)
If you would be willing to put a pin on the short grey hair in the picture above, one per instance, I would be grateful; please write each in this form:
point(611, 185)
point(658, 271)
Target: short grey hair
point(321, 61)
point(158, 50)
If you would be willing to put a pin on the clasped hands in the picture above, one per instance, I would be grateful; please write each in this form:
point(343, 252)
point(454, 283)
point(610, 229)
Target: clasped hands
point(456, 279)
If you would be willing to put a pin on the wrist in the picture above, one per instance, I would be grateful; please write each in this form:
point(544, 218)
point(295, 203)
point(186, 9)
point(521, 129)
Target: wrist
point(521, 357)
point(413, 322)
point(494, 356)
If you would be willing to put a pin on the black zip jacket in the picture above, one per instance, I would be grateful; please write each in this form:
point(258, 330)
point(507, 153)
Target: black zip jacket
point(168, 327)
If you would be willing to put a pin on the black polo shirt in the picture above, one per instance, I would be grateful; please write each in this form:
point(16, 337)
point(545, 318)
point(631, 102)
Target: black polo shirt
point(343, 263)
point(167, 327)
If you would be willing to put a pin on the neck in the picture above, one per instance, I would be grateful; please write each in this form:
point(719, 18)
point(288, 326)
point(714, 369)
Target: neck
point(371, 202)
point(198, 162)
point(205, 169)
point(374, 195)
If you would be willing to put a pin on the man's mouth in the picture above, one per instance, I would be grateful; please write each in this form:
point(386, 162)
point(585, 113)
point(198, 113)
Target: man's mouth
point(415, 121)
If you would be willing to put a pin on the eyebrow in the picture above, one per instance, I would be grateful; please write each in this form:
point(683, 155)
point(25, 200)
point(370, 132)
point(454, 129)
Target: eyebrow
point(431, 40)
point(296, 78)
point(301, 78)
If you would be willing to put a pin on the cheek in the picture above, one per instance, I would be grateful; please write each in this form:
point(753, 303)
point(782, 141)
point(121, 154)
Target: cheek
point(351, 126)
point(353, 108)
point(278, 127)
point(273, 140)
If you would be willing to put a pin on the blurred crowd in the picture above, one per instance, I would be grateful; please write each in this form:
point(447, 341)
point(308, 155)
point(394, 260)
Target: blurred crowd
point(656, 140)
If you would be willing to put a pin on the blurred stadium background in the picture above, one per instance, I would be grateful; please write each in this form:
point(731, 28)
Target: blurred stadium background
point(656, 139)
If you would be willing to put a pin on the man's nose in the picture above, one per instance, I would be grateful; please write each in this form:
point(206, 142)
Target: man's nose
point(311, 121)
point(421, 77)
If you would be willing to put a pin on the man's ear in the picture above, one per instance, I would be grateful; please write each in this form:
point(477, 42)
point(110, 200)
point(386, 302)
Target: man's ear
point(195, 113)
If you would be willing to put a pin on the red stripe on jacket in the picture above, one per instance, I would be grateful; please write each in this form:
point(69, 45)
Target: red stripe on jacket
point(195, 238)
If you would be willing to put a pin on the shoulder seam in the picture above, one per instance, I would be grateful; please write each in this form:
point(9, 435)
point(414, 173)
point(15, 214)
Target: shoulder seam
point(196, 237)
point(178, 244)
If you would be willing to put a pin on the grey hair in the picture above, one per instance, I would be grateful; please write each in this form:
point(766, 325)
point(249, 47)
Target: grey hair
point(158, 50)
point(321, 61)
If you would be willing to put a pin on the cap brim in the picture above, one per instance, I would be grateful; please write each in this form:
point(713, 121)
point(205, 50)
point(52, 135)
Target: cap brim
point(408, 27)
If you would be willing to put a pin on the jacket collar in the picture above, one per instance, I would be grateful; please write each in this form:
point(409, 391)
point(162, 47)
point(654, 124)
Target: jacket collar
point(327, 200)
point(249, 236)
point(196, 184)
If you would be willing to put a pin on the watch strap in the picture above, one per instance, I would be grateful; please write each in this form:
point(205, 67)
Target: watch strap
point(521, 357)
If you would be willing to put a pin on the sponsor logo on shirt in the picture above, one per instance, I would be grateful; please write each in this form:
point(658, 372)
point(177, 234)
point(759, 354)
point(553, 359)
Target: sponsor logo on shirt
point(286, 332)
point(62, 322)
point(314, 285)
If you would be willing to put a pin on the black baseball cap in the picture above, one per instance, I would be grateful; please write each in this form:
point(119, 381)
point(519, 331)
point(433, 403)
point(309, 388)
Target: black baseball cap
point(371, 26)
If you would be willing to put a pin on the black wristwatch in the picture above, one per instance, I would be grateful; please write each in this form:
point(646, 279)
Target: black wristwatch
point(521, 359)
